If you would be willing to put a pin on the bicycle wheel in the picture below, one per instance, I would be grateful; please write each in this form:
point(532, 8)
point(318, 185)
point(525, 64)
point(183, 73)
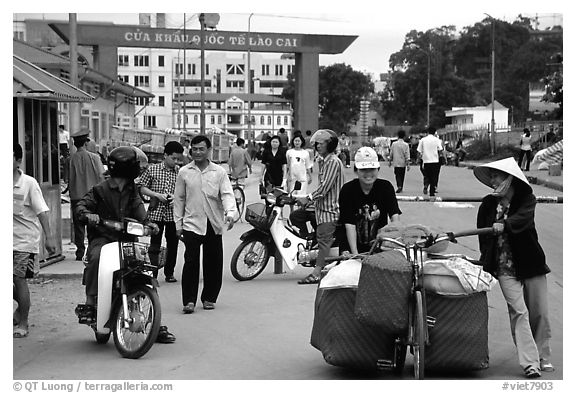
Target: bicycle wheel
point(240, 201)
point(419, 336)
point(138, 337)
point(249, 259)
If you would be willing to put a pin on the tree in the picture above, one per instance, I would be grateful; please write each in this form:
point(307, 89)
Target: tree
point(341, 89)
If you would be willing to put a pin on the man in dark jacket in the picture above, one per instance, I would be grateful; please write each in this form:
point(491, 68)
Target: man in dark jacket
point(513, 255)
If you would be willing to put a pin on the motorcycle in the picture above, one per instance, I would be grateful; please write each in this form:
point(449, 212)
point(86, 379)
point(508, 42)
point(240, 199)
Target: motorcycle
point(271, 234)
point(128, 305)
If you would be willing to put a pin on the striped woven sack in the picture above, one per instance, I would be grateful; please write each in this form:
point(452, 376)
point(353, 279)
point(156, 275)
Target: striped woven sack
point(384, 291)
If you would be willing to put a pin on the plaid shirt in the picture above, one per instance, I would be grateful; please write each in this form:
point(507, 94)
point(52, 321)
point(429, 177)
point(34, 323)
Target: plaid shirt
point(160, 179)
point(331, 179)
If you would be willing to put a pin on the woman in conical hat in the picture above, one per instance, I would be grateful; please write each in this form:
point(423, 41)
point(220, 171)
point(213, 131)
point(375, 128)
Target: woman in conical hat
point(514, 256)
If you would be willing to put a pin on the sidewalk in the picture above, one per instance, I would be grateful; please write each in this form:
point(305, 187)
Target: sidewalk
point(70, 268)
point(541, 178)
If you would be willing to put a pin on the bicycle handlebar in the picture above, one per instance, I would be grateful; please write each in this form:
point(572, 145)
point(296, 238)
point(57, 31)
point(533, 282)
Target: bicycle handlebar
point(431, 239)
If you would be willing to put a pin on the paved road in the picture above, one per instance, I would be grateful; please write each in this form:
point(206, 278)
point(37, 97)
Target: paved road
point(260, 329)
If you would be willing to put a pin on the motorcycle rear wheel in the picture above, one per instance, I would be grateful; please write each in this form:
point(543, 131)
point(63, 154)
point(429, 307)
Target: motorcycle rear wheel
point(136, 340)
point(249, 259)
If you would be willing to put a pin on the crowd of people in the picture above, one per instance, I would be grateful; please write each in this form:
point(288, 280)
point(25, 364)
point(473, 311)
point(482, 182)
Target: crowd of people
point(191, 200)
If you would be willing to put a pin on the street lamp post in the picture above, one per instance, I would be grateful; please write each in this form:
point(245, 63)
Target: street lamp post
point(427, 53)
point(202, 76)
point(273, 101)
point(249, 82)
point(492, 122)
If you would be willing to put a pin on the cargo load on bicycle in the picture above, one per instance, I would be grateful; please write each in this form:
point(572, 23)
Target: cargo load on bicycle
point(365, 316)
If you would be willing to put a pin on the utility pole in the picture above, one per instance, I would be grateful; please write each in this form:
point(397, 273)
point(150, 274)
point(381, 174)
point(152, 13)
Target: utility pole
point(202, 76)
point(249, 82)
point(492, 135)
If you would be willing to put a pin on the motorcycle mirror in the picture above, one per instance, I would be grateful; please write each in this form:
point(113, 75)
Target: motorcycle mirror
point(135, 228)
point(297, 186)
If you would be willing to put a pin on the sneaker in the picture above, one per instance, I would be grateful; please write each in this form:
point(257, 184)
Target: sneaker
point(208, 305)
point(170, 279)
point(347, 166)
point(399, 190)
point(532, 372)
point(546, 366)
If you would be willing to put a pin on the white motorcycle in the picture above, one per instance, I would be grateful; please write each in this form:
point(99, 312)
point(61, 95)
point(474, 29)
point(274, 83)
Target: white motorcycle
point(128, 305)
point(271, 234)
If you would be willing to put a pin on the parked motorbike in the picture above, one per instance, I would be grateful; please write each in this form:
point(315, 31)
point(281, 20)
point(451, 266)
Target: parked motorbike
point(271, 234)
point(128, 305)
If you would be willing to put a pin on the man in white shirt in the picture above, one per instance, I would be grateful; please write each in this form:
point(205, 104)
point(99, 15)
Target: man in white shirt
point(30, 216)
point(204, 204)
point(429, 148)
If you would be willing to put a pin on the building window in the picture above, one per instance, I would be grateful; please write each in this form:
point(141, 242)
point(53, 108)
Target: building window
point(219, 119)
point(252, 120)
point(161, 81)
point(207, 69)
point(149, 121)
point(141, 61)
point(235, 69)
point(160, 61)
point(290, 68)
point(160, 100)
point(265, 69)
point(269, 120)
point(123, 60)
point(124, 78)
point(278, 69)
point(141, 80)
point(193, 69)
point(179, 68)
point(278, 120)
point(261, 120)
point(195, 119)
point(212, 119)
point(285, 120)
point(140, 101)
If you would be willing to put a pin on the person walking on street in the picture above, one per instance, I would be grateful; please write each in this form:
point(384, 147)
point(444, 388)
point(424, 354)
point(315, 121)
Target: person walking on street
point(158, 181)
point(514, 256)
point(366, 203)
point(283, 138)
point(400, 159)
point(240, 163)
point(203, 204)
point(430, 147)
point(325, 199)
point(344, 145)
point(86, 170)
point(274, 160)
point(29, 216)
point(525, 149)
point(298, 164)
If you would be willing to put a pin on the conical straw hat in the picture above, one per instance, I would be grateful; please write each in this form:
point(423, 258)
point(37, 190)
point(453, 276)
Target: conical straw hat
point(507, 165)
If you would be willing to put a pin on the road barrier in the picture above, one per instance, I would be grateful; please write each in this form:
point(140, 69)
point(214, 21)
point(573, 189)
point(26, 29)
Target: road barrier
point(419, 198)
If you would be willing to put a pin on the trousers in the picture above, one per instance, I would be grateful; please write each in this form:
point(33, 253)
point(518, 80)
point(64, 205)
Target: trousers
point(513, 292)
point(400, 174)
point(212, 261)
point(79, 231)
point(169, 231)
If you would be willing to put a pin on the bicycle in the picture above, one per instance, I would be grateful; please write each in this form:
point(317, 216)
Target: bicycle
point(238, 189)
point(415, 244)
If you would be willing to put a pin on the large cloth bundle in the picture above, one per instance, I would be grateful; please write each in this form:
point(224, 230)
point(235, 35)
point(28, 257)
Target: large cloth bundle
point(455, 276)
point(459, 338)
point(384, 291)
point(343, 340)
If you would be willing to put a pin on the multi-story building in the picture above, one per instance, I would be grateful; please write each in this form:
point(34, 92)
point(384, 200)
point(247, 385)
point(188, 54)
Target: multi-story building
point(174, 78)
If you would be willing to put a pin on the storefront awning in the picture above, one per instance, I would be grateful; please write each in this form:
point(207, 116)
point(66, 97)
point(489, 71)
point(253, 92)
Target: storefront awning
point(30, 81)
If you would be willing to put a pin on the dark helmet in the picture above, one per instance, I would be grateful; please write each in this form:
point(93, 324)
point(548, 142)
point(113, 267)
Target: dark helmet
point(325, 135)
point(123, 162)
point(142, 158)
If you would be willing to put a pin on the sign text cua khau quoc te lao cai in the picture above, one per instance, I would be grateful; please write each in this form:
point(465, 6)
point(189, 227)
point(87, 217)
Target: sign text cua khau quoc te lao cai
point(214, 39)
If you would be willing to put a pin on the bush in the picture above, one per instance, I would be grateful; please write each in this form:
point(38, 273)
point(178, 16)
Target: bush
point(479, 150)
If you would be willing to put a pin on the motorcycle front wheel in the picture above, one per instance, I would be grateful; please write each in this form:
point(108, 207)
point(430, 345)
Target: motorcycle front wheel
point(249, 259)
point(102, 338)
point(137, 337)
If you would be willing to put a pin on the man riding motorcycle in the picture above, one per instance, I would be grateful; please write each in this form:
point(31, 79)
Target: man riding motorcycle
point(115, 199)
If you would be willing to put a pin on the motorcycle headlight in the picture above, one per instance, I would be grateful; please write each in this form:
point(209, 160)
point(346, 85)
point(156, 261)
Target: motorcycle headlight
point(271, 199)
point(135, 228)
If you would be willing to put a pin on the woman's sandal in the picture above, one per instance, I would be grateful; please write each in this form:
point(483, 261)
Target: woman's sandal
point(309, 279)
point(532, 372)
point(20, 333)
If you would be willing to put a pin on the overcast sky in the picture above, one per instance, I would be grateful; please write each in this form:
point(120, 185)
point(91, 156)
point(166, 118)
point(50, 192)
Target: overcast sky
point(380, 28)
